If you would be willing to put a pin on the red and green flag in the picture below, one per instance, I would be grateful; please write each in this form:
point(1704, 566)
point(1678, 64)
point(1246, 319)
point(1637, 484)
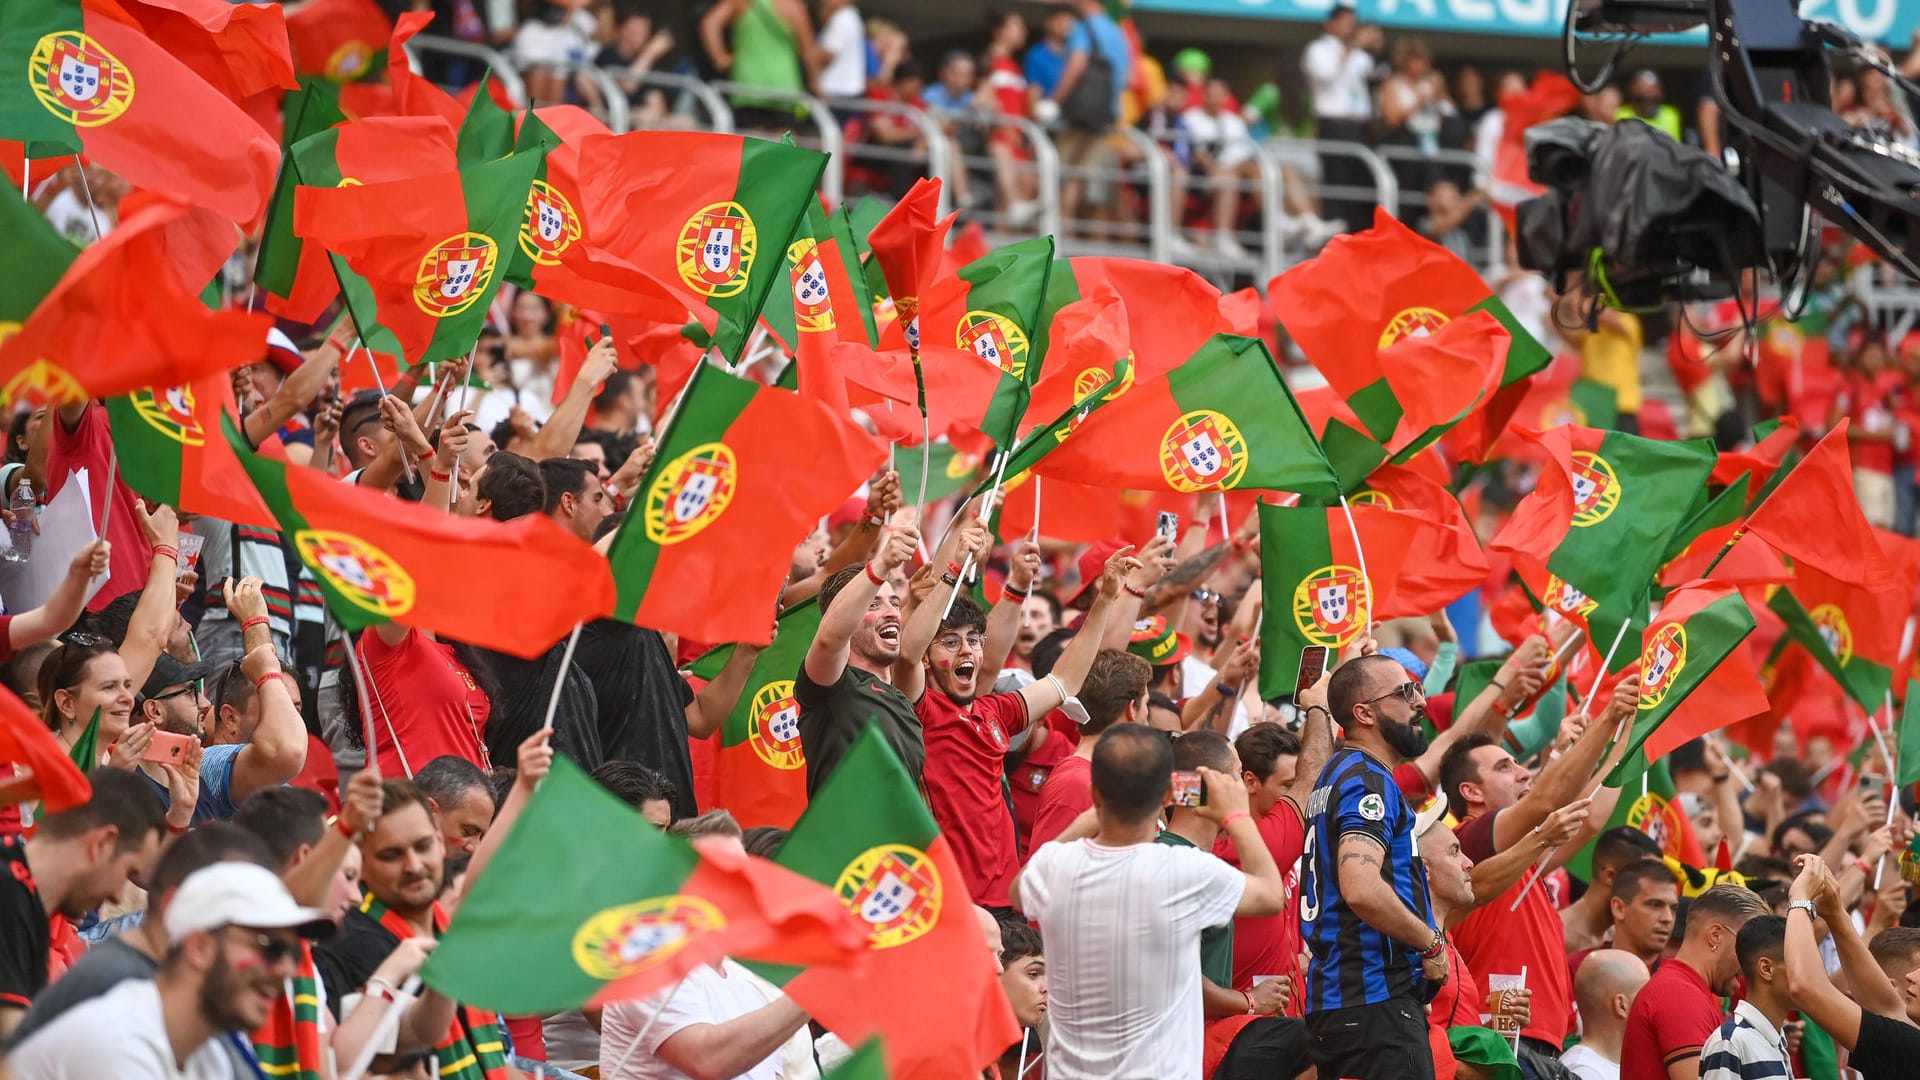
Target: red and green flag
point(170, 451)
point(1908, 761)
point(1445, 561)
point(759, 771)
point(486, 132)
point(127, 314)
point(39, 257)
point(379, 560)
point(588, 904)
point(1700, 625)
point(705, 216)
point(1813, 517)
point(1367, 291)
point(41, 768)
point(1169, 312)
point(1222, 420)
point(1656, 812)
point(86, 80)
point(431, 250)
point(821, 306)
point(299, 279)
point(239, 49)
point(867, 1063)
point(339, 40)
point(743, 473)
point(1854, 633)
point(868, 835)
point(1318, 587)
point(551, 224)
point(908, 243)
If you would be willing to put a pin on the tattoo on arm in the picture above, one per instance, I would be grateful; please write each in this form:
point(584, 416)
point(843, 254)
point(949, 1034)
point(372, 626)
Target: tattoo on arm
point(1188, 574)
point(1367, 858)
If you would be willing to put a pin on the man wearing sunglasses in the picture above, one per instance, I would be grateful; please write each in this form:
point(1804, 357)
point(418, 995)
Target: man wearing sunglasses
point(232, 935)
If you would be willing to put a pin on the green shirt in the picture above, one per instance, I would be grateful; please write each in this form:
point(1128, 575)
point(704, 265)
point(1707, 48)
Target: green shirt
point(1216, 942)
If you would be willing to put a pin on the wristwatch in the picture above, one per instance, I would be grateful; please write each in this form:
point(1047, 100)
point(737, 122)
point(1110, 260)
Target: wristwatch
point(1802, 905)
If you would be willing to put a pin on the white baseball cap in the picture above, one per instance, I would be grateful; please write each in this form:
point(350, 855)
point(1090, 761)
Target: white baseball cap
point(239, 894)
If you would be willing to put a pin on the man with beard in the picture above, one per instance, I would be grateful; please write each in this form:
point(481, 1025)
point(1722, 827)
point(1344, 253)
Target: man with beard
point(401, 872)
point(968, 735)
point(1678, 1010)
point(76, 860)
point(1377, 957)
point(1501, 804)
point(846, 681)
point(233, 933)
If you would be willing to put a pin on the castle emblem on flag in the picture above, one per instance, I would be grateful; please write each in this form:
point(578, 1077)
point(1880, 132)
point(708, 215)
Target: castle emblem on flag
point(1832, 625)
point(1659, 819)
point(1596, 490)
point(895, 890)
point(171, 413)
point(773, 726)
point(1660, 663)
point(716, 250)
point(691, 493)
point(361, 573)
point(1411, 322)
point(42, 382)
point(629, 938)
point(349, 61)
point(996, 339)
point(1567, 600)
point(549, 226)
point(1330, 605)
point(454, 274)
point(812, 298)
point(78, 80)
point(1203, 451)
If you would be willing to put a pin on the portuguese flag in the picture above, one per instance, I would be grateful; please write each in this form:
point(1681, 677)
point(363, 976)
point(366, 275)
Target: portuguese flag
point(551, 222)
point(821, 306)
point(1366, 291)
point(1225, 419)
point(126, 313)
point(867, 1063)
point(339, 40)
point(1095, 351)
point(1812, 516)
point(1701, 624)
point(588, 904)
point(84, 80)
point(430, 249)
point(1445, 561)
point(295, 274)
point(705, 215)
point(1854, 633)
point(1908, 760)
point(1168, 312)
point(38, 256)
point(169, 451)
point(1313, 590)
point(1656, 813)
point(486, 133)
point(743, 473)
point(760, 773)
point(380, 560)
point(46, 772)
point(239, 49)
point(868, 835)
point(909, 243)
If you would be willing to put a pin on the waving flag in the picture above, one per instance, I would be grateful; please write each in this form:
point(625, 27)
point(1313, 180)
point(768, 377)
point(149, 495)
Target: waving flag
point(1313, 587)
point(1444, 562)
point(239, 49)
point(1813, 517)
point(431, 250)
point(551, 224)
point(34, 762)
point(39, 256)
point(1681, 652)
point(1853, 632)
point(127, 314)
point(907, 245)
point(170, 450)
point(760, 772)
point(591, 905)
point(379, 560)
point(727, 497)
point(82, 81)
point(868, 834)
point(340, 40)
point(1170, 311)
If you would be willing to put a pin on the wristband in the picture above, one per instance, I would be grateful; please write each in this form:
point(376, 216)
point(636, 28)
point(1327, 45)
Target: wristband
point(1137, 594)
point(1224, 690)
point(257, 620)
point(261, 682)
point(1722, 778)
point(340, 823)
point(177, 830)
point(949, 579)
point(1865, 867)
point(442, 477)
point(1233, 817)
point(954, 568)
point(1017, 594)
point(1439, 945)
point(377, 987)
point(875, 520)
point(1249, 997)
point(1311, 709)
point(170, 552)
point(873, 577)
point(426, 455)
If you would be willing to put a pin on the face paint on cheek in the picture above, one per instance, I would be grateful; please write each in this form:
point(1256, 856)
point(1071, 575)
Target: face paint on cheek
point(245, 964)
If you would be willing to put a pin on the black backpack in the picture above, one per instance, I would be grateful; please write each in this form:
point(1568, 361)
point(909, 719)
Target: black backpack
point(1089, 105)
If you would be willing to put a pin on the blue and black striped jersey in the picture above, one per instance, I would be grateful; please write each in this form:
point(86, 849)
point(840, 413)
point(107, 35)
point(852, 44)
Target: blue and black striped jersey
point(1354, 964)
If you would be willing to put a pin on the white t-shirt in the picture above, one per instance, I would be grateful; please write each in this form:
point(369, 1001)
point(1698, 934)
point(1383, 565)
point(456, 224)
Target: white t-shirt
point(1122, 927)
point(1225, 136)
point(1588, 1065)
point(73, 1047)
point(846, 38)
point(1338, 79)
point(704, 997)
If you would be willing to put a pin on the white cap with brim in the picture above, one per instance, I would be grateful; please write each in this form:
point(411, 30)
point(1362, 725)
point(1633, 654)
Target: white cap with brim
point(239, 894)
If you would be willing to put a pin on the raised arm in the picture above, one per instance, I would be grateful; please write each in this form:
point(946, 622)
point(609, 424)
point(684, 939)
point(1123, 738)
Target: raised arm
point(827, 656)
point(1560, 781)
point(1044, 695)
point(1316, 739)
point(970, 540)
point(1519, 676)
point(883, 499)
point(296, 392)
point(708, 711)
point(1212, 708)
point(1496, 875)
point(1864, 976)
point(562, 429)
point(1812, 991)
point(719, 1051)
point(1155, 560)
point(310, 880)
point(1226, 806)
point(278, 750)
point(69, 598)
point(158, 610)
point(1003, 622)
point(452, 442)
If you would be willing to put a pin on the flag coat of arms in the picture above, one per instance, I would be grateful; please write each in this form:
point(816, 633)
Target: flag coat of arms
point(590, 905)
point(1854, 633)
point(339, 40)
point(431, 249)
point(552, 224)
point(742, 474)
point(1367, 291)
point(170, 450)
point(1683, 648)
point(1168, 312)
point(1313, 588)
point(378, 560)
point(82, 78)
point(760, 772)
point(1657, 813)
point(1444, 562)
point(126, 313)
point(1225, 419)
point(869, 836)
point(821, 305)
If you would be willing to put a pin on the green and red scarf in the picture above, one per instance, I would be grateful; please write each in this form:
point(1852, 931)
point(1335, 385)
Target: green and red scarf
point(288, 1044)
point(475, 1047)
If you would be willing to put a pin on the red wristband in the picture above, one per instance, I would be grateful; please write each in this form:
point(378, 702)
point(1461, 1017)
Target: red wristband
point(1233, 817)
point(170, 552)
point(954, 569)
point(263, 680)
point(442, 477)
point(873, 577)
point(427, 454)
point(340, 823)
point(257, 620)
point(177, 830)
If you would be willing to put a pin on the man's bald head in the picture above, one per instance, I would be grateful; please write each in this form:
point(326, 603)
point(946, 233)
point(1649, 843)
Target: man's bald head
point(1605, 985)
point(1132, 773)
point(990, 927)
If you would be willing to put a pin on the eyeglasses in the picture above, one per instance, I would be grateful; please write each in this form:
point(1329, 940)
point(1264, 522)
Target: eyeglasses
point(272, 949)
point(1206, 596)
point(187, 689)
point(1409, 692)
point(953, 642)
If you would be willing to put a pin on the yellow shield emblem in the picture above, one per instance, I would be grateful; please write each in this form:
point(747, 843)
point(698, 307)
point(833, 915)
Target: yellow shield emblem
point(454, 274)
point(1596, 490)
point(996, 339)
point(78, 80)
point(365, 576)
point(773, 726)
point(1411, 322)
point(716, 250)
point(1660, 664)
point(691, 493)
point(170, 413)
point(895, 890)
point(1332, 605)
point(42, 383)
point(550, 226)
point(1832, 624)
point(622, 940)
point(1203, 451)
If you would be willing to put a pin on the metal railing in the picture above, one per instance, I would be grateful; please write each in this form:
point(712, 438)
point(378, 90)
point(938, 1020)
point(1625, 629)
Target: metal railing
point(1385, 192)
point(503, 68)
point(1044, 167)
point(719, 113)
point(939, 155)
point(619, 110)
point(826, 128)
point(1490, 259)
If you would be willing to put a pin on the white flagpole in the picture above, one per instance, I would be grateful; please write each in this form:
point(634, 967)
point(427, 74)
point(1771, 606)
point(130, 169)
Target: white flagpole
point(566, 661)
point(86, 186)
point(1359, 554)
point(645, 1030)
point(986, 508)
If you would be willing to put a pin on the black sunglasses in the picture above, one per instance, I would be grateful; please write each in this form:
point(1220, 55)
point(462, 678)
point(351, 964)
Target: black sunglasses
point(272, 949)
point(1409, 692)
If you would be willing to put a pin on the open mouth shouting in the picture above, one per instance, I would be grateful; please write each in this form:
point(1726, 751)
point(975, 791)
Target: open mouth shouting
point(888, 634)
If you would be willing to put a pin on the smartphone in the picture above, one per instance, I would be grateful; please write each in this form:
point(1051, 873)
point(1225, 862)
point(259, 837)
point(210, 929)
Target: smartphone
point(1168, 525)
point(1189, 789)
point(167, 748)
point(1313, 664)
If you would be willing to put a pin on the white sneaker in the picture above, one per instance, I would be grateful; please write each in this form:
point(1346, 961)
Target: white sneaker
point(1022, 213)
point(1224, 244)
point(1315, 232)
point(1181, 248)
